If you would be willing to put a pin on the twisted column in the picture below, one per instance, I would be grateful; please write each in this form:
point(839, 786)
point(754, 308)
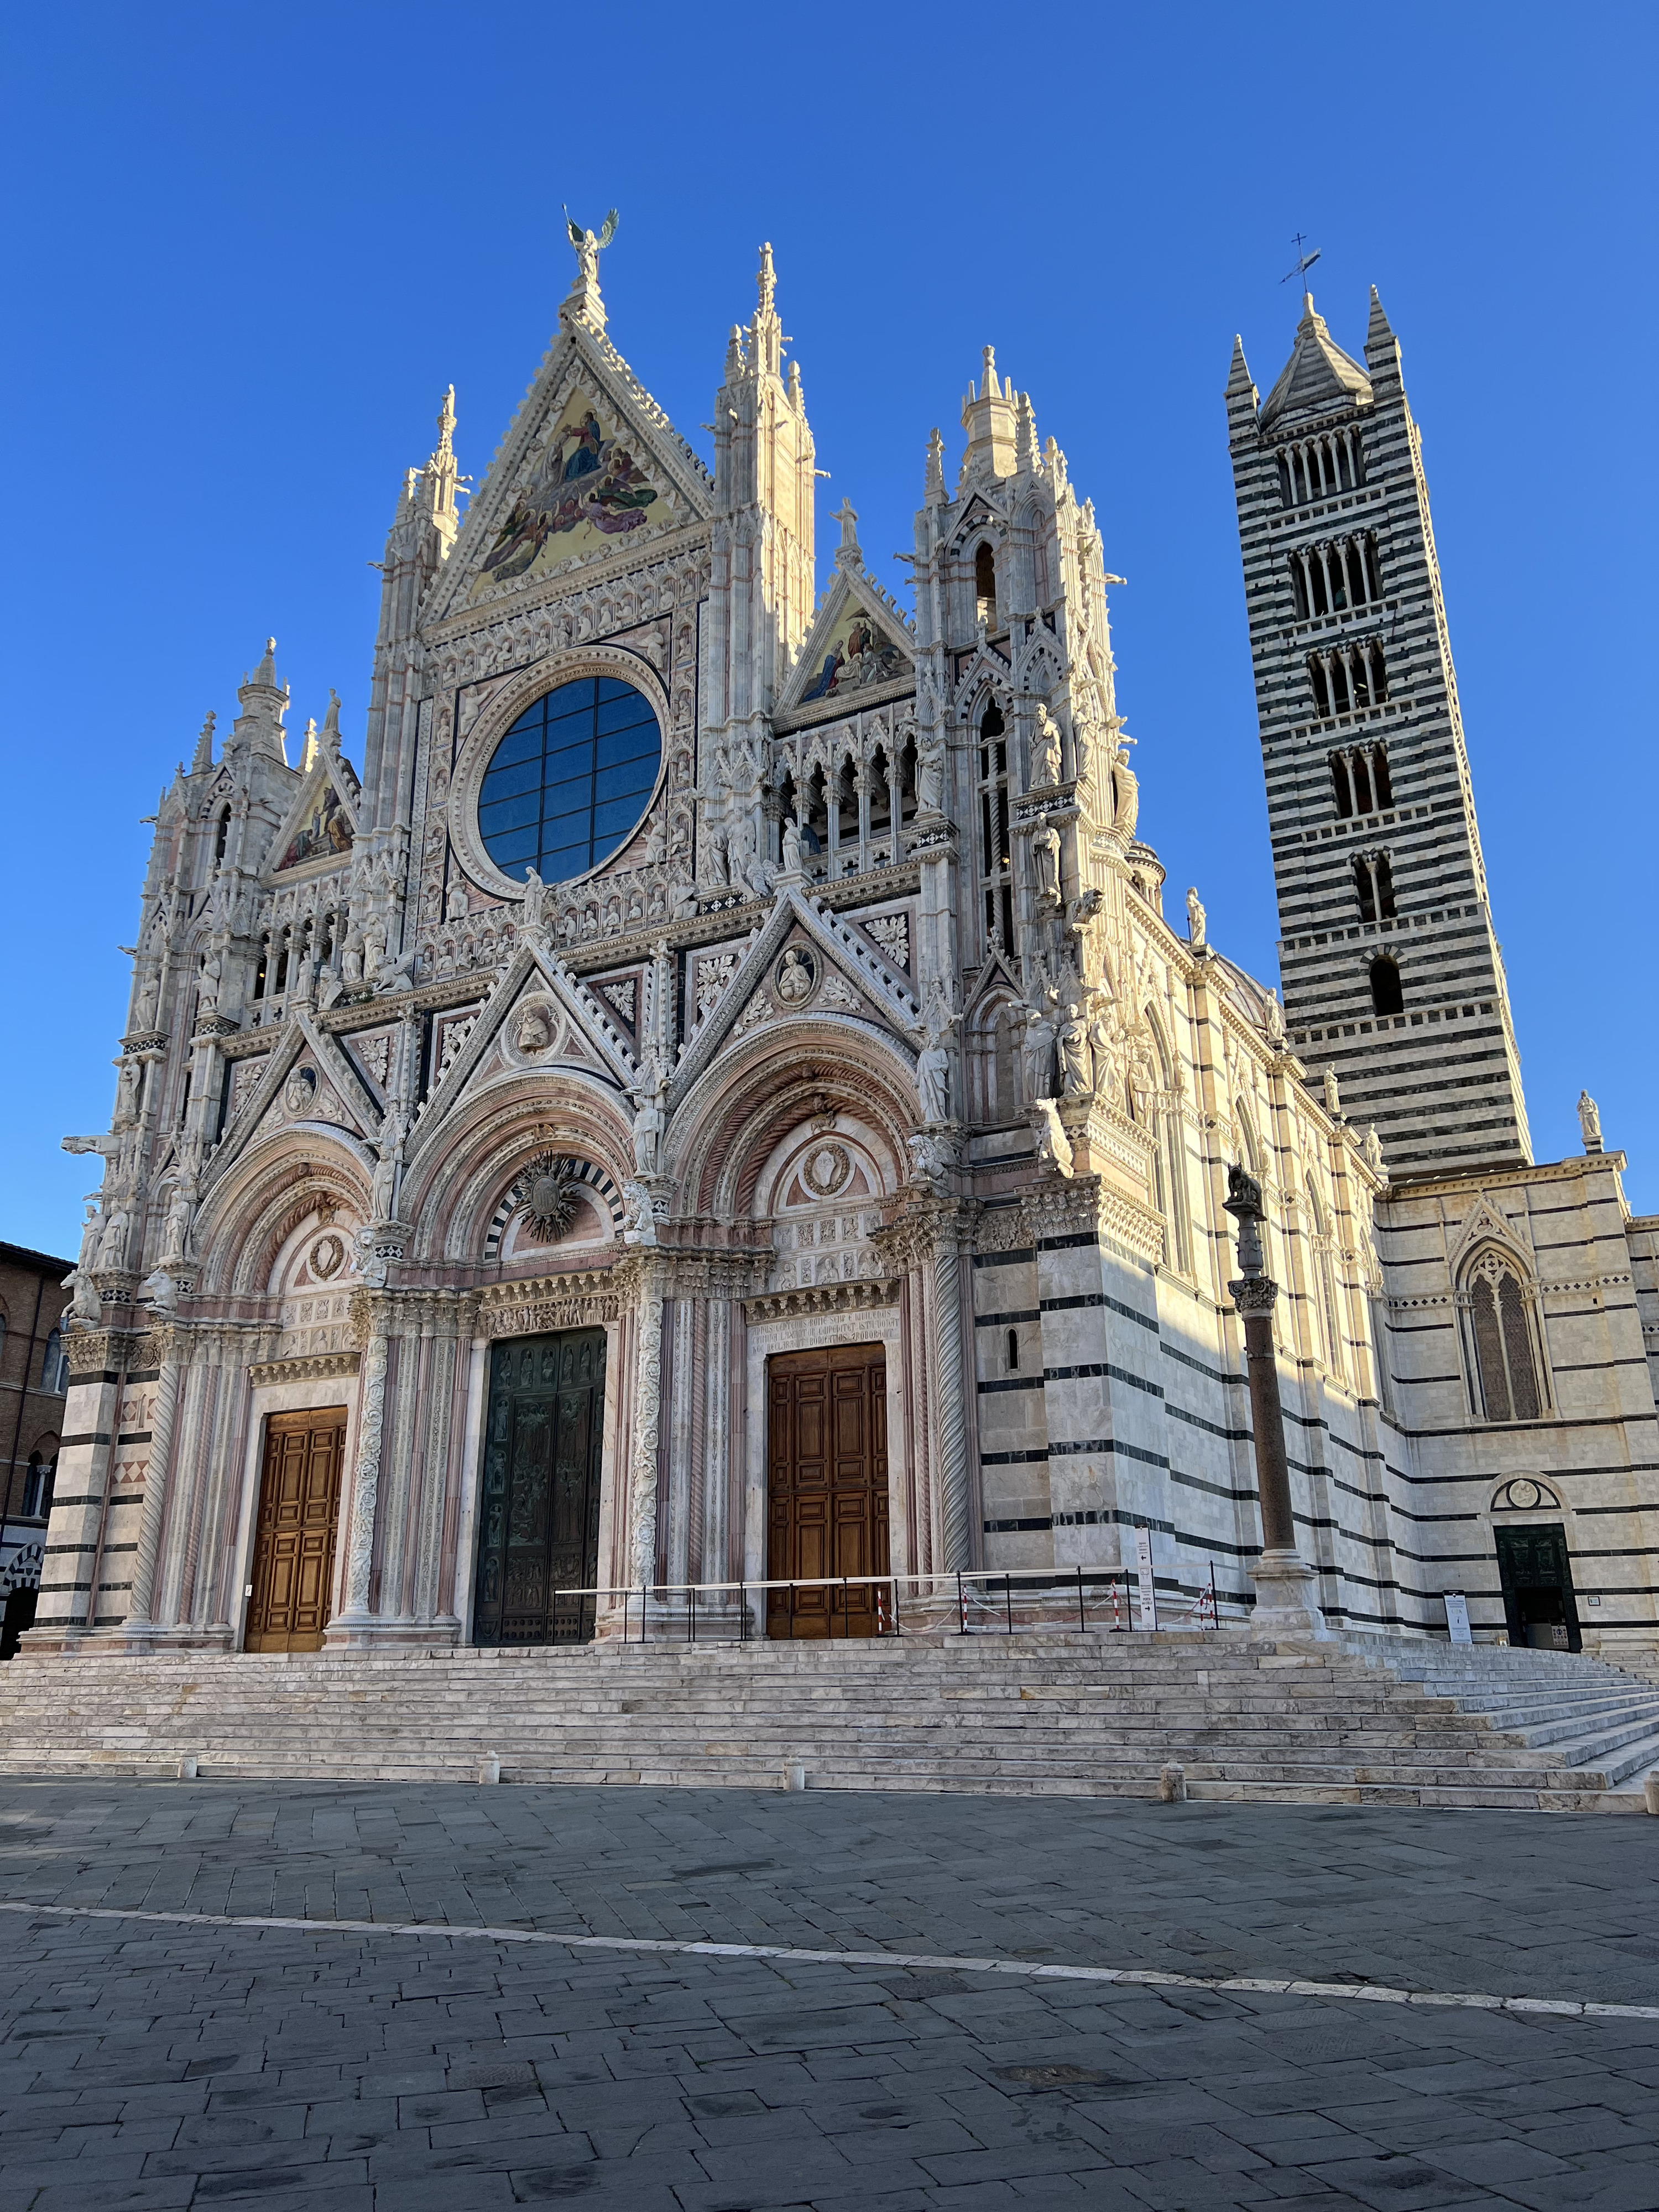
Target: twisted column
point(366, 1476)
point(163, 1416)
point(647, 1425)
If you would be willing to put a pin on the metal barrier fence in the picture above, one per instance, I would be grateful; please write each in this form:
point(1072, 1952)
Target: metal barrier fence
point(1114, 1591)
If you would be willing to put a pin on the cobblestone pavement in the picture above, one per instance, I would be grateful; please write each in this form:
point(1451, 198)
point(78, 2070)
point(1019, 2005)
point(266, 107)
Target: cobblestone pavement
point(147, 2064)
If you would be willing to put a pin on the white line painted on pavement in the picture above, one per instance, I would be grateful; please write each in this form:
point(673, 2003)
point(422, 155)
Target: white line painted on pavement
point(1136, 1977)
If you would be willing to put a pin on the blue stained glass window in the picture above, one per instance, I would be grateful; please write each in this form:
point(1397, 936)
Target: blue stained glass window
point(566, 787)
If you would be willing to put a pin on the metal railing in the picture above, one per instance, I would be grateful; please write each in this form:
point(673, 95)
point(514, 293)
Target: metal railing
point(981, 1598)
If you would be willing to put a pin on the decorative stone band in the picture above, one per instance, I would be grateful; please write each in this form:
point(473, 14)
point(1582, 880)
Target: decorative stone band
point(314, 1368)
point(855, 1296)
point(586, 1299)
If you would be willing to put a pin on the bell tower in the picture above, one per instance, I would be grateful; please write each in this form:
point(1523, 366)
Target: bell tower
point(1392, 971)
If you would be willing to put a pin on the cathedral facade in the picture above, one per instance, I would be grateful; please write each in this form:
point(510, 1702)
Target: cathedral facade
point(715, 1103)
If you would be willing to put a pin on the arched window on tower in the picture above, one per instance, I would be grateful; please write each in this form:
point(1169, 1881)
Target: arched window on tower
point(1502, 1340)
point(985, 583)
point(222, 836)
point(1373, 881)
point(996, 856)
point(1387, 997)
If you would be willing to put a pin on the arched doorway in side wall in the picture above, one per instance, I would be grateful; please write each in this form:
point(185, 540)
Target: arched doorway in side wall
point(1536, 1573)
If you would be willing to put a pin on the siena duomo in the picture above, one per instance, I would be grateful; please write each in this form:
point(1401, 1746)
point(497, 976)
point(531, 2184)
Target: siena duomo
point(707, 1093)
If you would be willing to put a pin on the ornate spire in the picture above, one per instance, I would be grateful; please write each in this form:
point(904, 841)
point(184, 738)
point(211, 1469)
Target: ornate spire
point(766, 332)
point(201, 760)
point(1025, 441)
point(933, 491)
point(258, 728)
point(988, 416)
point(309, 746)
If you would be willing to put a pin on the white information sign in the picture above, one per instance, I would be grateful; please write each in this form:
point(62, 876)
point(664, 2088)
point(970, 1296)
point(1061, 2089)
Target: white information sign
point(1457, 1616)
point(1147, 1616)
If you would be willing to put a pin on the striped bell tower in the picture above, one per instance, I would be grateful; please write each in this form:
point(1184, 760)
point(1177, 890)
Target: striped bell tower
point(1392, 973)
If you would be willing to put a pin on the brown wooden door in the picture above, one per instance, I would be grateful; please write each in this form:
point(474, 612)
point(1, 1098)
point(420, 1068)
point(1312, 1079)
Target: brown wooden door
point(299, 1521)
point(827, 1487)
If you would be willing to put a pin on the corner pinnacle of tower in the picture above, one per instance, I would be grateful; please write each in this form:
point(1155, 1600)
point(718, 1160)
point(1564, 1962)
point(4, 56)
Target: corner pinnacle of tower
point(933, 492)
point(1382, 347)
point(201, 760)
point(1241, 384)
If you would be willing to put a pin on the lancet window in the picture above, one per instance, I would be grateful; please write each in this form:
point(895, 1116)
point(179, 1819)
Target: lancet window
point(1502, 1340)
point(1314, 468)
point(996, 854)
point(1387, 996)
point(985, 583)
point(54, 1364)
point(1348, 677)
point(1331, 578)
point(1373, 883)
point(221, 836)
point(1360, 779)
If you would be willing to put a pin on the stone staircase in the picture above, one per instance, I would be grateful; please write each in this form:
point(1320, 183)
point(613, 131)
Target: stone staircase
point(1358, 1720)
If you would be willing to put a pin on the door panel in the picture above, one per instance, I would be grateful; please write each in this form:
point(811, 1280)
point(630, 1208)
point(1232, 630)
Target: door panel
point(826, 1486)
point(539, 1495)
point(1536, 1571)
point(298, 1525)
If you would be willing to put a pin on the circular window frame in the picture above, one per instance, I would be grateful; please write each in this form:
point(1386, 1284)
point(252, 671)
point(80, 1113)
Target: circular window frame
point(497, 718)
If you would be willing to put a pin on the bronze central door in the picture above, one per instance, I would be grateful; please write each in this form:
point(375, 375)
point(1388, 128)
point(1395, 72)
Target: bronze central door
point(826, 1488)
point(298, 1520)
point(539, 1495)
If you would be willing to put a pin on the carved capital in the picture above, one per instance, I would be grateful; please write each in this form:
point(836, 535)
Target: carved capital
point(1255, 1294)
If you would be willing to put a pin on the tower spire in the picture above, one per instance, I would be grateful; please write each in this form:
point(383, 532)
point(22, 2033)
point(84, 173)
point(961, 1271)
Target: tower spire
point(1391, 967)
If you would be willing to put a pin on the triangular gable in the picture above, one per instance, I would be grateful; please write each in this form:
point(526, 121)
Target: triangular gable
point(1484, 1225)
point(860, 642)
point(590, 465)
point(880, 990)
point(533, 966)
point(254, 1122)
point(322, 823)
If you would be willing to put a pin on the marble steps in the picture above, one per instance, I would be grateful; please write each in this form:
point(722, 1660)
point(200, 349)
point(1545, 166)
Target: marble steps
point(1036, 1714)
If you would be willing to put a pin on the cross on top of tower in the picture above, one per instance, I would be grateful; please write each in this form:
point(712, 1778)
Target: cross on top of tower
point(1304, 261)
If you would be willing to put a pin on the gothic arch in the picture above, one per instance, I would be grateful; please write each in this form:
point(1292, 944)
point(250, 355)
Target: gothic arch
point(243, 1226)
point(494, 1134)
point(1502, 1335)
point(737, 1111)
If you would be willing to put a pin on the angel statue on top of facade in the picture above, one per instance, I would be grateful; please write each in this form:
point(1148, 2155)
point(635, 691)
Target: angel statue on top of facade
point(1590, 1123)
point(1195, 919)
point(589, 245)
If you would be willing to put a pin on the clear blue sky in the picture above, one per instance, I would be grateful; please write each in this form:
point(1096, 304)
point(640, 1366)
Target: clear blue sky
point(250, 247)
